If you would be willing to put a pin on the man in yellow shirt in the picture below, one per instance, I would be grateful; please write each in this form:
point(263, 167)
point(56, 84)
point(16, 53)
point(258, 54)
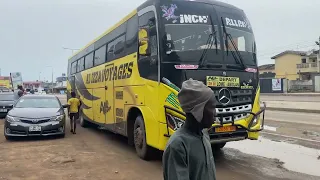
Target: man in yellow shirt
point(73, 111)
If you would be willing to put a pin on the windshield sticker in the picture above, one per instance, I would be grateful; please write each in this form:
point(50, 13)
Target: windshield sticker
point(220, 81)
point(186, 66)
point(187, 18)
point(168, 13)
point(247, 84)
point(237, 23)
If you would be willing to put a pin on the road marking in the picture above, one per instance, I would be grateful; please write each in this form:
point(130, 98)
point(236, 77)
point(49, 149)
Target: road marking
point(270, 128)
point(303, 139)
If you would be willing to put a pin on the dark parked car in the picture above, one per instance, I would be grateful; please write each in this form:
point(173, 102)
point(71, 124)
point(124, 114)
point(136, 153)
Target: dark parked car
point(36, 115)
point(6, 103)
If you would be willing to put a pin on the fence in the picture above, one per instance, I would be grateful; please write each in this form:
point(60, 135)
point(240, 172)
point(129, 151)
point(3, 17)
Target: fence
point(283, 85)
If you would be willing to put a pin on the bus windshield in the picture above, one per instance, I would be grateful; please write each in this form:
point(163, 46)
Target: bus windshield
point(189, 37)
point(245, 44)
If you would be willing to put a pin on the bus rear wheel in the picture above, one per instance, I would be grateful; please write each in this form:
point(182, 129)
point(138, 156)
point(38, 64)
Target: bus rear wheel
point(140, 141)
point(83, 122)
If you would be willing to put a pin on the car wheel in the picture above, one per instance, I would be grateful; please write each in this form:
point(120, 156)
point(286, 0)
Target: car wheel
point(217, 146)
point(8, 138)
point(83, 122)
point(140, 142)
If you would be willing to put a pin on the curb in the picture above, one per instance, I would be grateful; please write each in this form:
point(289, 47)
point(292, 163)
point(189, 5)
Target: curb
point(294, 110)
point(289, 94)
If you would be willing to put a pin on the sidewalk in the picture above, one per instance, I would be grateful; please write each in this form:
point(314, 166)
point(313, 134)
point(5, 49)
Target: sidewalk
point(306, 107)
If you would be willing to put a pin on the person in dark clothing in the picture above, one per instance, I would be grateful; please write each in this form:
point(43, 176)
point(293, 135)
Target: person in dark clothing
point(188, 154)
point(18, 93)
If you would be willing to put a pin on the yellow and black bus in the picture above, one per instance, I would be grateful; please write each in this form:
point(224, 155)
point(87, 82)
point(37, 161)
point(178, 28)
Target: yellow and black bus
point(129, 77)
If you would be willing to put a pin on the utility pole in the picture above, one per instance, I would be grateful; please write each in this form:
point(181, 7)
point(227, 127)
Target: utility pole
point(51, 78)
point(318, 57)
point(72, 49)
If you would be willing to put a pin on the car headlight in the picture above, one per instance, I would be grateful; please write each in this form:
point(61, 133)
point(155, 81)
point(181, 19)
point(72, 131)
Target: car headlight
point(57, 118)
point(12, 119)
point(174, 122)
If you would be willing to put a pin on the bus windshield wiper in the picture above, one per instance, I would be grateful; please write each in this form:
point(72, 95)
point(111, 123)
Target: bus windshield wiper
point(228, 36)
point(210, 42)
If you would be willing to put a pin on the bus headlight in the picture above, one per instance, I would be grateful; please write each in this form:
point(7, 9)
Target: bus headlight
point(255, 121)
point(174, 122)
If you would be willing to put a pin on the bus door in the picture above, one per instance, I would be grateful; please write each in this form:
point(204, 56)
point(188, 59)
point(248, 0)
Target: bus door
point(108, 106)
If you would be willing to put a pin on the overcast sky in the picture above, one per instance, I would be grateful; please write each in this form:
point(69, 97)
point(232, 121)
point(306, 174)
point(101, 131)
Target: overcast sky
point(34, 32)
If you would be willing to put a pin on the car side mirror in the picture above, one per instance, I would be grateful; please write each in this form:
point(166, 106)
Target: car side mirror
point(65, 106)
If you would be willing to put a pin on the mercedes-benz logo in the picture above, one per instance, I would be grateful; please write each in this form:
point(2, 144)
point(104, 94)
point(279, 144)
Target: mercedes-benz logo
point(224, 96)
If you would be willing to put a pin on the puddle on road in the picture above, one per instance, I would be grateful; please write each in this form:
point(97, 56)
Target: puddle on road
point(296, 158)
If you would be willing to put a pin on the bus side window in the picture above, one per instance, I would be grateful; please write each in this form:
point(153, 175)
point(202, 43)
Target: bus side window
point(74, 67)
point(88, 61)
point(132, 35)
point(116, 48)
point(148, 55)
point(80, 66)
point(148, 20)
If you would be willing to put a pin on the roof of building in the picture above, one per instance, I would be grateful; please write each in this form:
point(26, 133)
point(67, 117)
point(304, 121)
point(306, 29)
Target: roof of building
point(301, 53)
point(267, 67)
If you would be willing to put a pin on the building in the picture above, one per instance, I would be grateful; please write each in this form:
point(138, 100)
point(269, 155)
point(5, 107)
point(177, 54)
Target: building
point(297, 65)
point(35, 85)
point(267, 71)
point(61, 84)
point(5, 81)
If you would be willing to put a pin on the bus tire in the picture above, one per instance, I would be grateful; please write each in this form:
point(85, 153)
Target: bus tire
point(83, 122)
point(217, 146)
point(140, 141)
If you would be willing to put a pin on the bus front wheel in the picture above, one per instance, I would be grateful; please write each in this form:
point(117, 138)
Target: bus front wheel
point(140, 141)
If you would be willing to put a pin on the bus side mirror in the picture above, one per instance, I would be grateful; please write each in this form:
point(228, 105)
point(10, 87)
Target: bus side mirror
point(144, 44)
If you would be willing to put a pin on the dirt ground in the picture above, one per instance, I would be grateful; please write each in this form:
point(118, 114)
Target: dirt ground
point(86, 155)
point(96, 154)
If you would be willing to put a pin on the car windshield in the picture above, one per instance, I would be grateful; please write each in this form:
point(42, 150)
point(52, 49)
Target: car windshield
point(38, 102)
point(6, 97)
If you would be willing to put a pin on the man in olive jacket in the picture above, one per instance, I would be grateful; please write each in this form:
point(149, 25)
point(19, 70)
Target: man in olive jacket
point(188, 155)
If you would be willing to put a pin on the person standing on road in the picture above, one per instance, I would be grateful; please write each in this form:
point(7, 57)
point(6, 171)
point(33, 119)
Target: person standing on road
point(188, 155)
point(73, 111)
point(18, 93)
